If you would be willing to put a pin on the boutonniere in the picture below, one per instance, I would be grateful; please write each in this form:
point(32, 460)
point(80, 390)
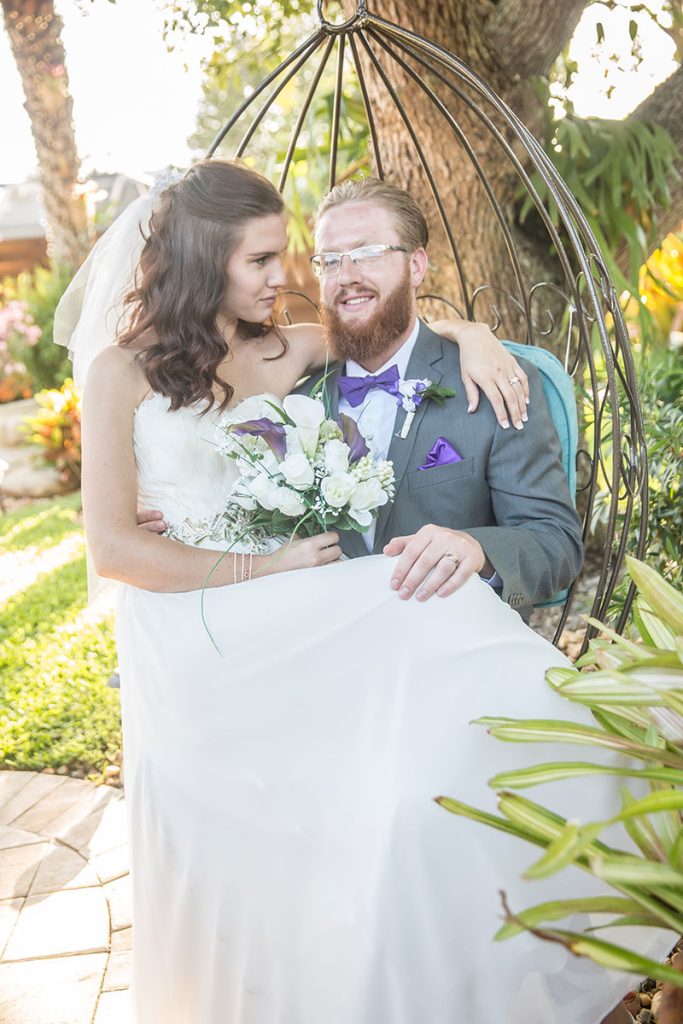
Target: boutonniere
point(412, 393)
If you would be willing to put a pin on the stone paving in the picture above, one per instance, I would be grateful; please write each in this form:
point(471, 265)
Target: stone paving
point(65, 905)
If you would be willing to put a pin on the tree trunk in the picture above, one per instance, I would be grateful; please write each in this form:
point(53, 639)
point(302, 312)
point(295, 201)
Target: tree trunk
point(474, 32)
point(34, 30)
point(664, 107)
point(505, 42)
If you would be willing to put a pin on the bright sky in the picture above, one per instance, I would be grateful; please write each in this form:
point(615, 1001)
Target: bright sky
point(135, 103)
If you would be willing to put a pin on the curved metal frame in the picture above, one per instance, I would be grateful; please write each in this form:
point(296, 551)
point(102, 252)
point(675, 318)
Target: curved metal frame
point(588, 294)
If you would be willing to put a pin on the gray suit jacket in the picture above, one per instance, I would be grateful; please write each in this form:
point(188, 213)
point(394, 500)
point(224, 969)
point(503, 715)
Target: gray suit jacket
point(509, 491)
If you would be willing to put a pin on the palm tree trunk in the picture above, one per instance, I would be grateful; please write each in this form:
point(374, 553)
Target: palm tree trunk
point(34, 29)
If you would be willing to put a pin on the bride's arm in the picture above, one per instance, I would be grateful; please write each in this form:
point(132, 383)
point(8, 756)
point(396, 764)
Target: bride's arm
point(484, 362)
point(487, 365)
point(119, 549)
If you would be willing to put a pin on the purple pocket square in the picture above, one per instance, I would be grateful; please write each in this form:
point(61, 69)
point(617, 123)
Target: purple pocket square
point(442, 453)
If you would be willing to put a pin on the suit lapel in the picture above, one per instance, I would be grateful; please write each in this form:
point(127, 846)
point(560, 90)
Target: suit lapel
point(423, 364)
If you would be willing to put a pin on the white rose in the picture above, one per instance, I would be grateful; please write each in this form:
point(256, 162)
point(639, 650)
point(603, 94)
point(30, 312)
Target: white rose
point(362, 518)
point(338, 488)
point(256, 407)
point(289, 502)
point(336, 457)
point(265, 491)
point(297, 471)
point(307, 415)
point(368, 495)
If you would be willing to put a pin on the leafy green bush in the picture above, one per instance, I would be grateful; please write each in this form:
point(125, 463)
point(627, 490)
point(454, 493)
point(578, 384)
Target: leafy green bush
point(661, 395)
point(619, 171)
point(635, 692)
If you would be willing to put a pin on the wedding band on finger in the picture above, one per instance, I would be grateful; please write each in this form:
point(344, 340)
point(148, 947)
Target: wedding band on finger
point(514, 380)
point(454, 559)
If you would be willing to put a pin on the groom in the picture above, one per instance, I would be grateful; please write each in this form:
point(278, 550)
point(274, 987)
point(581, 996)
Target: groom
point(470, 495)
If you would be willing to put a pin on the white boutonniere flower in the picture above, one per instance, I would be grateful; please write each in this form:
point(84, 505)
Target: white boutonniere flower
point(413, 392)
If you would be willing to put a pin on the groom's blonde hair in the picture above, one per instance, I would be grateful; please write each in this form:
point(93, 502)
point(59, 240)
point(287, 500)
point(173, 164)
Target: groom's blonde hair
point(410, 220)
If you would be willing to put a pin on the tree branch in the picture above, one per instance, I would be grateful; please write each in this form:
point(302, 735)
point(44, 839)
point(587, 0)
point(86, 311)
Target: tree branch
point(527, 35)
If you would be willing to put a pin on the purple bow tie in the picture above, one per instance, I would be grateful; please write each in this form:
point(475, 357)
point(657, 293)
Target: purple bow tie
point(355, 389)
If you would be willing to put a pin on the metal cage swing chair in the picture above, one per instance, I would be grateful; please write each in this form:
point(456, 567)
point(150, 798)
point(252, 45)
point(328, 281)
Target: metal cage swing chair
point(577, 313)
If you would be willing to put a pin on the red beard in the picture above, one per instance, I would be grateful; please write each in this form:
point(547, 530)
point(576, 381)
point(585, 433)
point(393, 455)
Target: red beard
point(366, 342)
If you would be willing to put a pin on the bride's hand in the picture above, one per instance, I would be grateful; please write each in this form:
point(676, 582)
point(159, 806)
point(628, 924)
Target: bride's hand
point(486, 364)
point(305, 553)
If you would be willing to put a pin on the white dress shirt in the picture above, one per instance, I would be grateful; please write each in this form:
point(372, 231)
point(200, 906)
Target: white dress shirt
point(377, 414)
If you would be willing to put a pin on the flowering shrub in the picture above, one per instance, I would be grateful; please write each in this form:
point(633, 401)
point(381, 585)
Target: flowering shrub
point(56, 428)
point(18, 334)
point(39, 291)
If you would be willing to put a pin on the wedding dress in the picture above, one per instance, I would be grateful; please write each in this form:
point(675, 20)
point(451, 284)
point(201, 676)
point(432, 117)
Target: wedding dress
point(289, 863)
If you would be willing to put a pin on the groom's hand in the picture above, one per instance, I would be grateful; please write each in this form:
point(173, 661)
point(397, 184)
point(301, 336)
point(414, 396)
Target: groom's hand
point(151, 520)
point(435, 560)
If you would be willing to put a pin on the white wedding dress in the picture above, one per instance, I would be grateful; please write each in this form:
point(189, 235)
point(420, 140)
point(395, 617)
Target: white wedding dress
point(289, 863)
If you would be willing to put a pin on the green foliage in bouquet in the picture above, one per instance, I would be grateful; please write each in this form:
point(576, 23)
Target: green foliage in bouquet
point(56, 429)
point(635, 692)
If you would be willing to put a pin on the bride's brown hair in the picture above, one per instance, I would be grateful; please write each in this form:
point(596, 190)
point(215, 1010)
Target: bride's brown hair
point(182, 279)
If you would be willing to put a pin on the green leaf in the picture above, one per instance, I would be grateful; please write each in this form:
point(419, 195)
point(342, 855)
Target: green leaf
point(553, 771)
point(569, 844)
point(542, 731)
point(660, 595)
point(660, 800)
point(623, 869)
point(617, 958)
point(465, 811)
point(556, 910)
point(630, 920)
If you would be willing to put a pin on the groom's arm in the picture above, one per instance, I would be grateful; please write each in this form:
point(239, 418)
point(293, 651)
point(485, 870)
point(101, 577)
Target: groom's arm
point(536, 546)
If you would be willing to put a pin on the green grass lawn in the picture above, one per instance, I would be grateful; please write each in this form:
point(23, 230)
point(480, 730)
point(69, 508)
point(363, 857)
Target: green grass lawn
point(56, 709)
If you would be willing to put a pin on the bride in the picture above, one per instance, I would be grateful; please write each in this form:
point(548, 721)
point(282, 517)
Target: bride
point(289, 863)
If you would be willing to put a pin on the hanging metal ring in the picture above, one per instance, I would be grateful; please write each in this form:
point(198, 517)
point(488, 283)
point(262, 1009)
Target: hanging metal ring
point(360, 15)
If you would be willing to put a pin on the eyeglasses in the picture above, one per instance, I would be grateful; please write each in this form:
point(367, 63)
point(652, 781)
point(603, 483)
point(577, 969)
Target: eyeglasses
point(328, 264)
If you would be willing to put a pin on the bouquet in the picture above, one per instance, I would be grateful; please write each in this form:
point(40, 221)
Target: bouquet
point(300, 473)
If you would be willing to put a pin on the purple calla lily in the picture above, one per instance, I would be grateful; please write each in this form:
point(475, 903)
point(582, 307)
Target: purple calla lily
point(272, 433)
point(353, 437)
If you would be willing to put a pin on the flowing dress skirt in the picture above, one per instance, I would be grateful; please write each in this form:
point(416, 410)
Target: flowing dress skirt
point(289, 863)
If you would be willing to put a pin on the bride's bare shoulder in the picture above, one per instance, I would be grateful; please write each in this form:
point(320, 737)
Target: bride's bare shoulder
point(306, 345)
point(118, 369)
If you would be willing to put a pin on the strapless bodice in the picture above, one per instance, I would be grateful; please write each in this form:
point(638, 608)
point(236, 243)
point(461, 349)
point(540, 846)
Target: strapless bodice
point(180, 470)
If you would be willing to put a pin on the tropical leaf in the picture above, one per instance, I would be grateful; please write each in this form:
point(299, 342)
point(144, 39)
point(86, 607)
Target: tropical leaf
point(556, 910)
point(553, 771)
point(660, 595)
point(636, 698)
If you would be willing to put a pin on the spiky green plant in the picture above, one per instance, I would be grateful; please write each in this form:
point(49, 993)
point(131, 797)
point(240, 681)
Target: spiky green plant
point(634, 690)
